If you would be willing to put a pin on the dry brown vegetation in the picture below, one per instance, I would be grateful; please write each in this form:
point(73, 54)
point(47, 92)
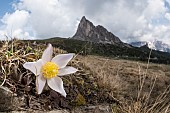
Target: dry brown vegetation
point(129, 86)
point(139, 87)
point(17, 85)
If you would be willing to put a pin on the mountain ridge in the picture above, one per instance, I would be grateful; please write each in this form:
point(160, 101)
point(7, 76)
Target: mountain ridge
point(108, 50)
point(86, 31)
point(96, 40)
point(155, 45)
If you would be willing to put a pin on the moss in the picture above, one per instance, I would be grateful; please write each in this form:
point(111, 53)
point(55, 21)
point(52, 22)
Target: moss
point(80, 81)
point(115, 108)
point(66, 81)
point(80, 100)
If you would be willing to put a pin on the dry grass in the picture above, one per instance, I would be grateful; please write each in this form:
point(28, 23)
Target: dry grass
point(81, 87)
point(139, 87)
point(14, 53)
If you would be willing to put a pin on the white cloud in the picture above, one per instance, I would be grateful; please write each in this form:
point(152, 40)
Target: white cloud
point(16, 20)
point(130, 20)
point(167, 16)
point(154, 8)
point(49, 18)
point(15, 24)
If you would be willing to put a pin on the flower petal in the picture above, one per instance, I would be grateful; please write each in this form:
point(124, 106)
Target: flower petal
point(67, 70)
point(47, 54)
point(62, 59)
point(56, 84)
point(40, 83)
point(34, 67)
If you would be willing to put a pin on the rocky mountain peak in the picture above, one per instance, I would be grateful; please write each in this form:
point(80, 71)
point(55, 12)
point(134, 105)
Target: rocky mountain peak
point(86, 31)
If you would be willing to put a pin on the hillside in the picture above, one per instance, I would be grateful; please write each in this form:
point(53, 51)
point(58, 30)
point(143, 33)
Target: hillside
point(17, 85)
point(102, 84)
point(109, 50)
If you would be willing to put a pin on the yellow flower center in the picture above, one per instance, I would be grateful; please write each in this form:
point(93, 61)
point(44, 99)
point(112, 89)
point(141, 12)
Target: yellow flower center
point(49, 70)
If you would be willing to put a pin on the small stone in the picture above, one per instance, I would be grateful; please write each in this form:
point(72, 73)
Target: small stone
point(5, 99)
point(9, 100)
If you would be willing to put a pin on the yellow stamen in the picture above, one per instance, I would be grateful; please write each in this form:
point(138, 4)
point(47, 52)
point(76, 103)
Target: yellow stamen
point(49, 70)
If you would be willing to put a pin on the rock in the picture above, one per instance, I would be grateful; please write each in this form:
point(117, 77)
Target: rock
point(88, 32)
point(54, 111)
point(9, 101)
point(6, 98)
point(84, 109)
point(94, 109)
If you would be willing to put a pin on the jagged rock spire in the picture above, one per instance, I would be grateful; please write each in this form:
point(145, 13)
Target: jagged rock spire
point(86, 31)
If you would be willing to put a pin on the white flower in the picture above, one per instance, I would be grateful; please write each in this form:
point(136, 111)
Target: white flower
point(49, 69)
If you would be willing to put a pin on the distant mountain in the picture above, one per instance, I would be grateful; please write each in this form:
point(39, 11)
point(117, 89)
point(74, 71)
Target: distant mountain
point(156, 45)
point(138, 44)
point(86, 31)
point(108, 50)
point(96, 40)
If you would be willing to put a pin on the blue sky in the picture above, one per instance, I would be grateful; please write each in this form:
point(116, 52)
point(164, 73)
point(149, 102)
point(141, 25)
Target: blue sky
point(134, 20)
point(5, 6)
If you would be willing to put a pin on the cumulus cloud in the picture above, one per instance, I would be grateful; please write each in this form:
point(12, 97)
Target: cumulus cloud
point(49, 18)
point(15, 24)
point(40, 19)
point(130, 20)
point(167, 16)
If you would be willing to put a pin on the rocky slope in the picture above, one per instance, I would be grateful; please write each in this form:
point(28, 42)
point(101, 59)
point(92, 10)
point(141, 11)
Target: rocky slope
point(86, 31)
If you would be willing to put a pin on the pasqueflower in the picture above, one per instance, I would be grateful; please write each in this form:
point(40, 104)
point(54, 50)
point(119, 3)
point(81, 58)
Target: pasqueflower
point(49, 70)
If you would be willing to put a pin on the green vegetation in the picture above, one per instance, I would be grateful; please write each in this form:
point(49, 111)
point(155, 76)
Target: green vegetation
point(108, 50)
